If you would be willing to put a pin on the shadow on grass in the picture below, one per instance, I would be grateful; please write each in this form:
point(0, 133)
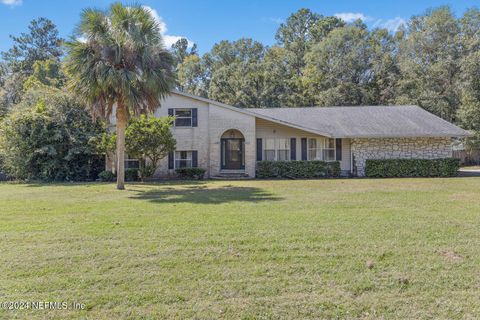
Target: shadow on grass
point(201, 194)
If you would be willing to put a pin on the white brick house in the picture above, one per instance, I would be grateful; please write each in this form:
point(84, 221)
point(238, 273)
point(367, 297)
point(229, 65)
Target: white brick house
point(224, 139)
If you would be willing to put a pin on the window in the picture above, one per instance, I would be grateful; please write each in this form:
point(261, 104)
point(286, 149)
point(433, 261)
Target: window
point(277, 149)
point(321, 149)
point(269, 149)
point(183, 117)
point(183, 159)
point(283, 149)
point(313, 153)
point(329, 150)
point(131, 163)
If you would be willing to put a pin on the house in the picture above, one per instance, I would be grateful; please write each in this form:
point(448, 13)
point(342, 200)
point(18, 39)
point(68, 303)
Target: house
point(226, 140)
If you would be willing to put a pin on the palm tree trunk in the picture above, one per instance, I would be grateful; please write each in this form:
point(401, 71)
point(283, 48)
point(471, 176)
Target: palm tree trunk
point(121, 126)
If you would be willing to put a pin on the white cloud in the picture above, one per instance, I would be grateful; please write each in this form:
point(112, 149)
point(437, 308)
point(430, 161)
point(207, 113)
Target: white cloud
point(352, 16)
point(167, 39)
point(12, 2)
point(391, 25)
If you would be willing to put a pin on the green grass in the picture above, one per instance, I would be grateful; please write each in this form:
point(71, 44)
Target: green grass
point(244, 249)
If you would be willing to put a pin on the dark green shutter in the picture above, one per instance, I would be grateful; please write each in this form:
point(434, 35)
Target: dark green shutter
point(338, 149)
point(259, 149)
point(304, 148)
point(293, 148)
point(194, 117)
point(170, 160)
point(194, 158)
point(170, 112)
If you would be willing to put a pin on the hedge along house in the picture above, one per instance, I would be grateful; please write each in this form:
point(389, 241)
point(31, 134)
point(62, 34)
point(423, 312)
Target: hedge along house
point(228, 141)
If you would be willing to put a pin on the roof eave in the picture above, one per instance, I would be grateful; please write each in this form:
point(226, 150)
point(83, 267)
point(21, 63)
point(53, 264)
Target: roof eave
point(389, 136)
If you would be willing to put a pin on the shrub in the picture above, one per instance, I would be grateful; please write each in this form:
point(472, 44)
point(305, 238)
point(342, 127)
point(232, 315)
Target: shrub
point(297, 169)
point(147, 171)
point(384, 168)
point(131, 174)
point(190, 173)
point(106, 176)
point(47, 138)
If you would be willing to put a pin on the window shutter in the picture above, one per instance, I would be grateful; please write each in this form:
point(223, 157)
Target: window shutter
point(170, 160)
point(293, 148)
point(194, 117)
point(170, 112)
point(304, 148)
point(259, 149)
point(338, 149)
point(194, 158)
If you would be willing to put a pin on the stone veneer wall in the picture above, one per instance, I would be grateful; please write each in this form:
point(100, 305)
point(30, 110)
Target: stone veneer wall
point(398, 148)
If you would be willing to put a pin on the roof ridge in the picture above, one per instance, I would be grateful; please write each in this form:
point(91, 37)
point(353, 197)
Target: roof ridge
point(323, 107)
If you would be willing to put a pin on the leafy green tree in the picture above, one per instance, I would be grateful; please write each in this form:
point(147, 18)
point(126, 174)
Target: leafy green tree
point(469, 110)
point(122, 67)
point(236, 75)
point(106, 144)
point(150, 138)
point(180, 51)
point(46, 138)
point(3, 73)
point(429, 59)
point(384, 67)
point(192, 77)
point(40, 43)
point(11, 92)
point(302, 30)
point(295, 35)
point(45, 73)
point(339, 68)
point(278, 90)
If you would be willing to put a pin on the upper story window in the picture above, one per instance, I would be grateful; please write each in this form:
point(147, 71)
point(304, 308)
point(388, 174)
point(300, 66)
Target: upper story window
point(184, 117)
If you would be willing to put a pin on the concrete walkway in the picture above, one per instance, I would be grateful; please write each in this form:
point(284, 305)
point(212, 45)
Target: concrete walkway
point(469, 172)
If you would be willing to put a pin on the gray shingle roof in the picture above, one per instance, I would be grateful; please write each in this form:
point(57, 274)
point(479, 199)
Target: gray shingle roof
point(366, 122)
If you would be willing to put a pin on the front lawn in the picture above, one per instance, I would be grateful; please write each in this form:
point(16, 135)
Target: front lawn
point(360, 248)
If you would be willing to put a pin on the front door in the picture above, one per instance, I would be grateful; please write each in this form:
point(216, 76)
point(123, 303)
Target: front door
point(232, 154)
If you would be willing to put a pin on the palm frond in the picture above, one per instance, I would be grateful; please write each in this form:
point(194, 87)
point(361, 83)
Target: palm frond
point(123, 58)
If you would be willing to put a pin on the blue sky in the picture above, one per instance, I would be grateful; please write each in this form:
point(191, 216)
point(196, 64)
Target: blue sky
point(206, 22)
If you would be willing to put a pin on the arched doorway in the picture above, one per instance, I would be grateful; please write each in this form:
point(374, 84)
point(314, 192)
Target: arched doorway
point(232, 150)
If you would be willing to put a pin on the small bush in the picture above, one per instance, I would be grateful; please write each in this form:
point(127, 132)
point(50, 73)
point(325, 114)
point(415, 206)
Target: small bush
point(106, 176)
point(190, 173)
point(131, 175)
point(297, 169)
point(147, 171)
point(386, 168)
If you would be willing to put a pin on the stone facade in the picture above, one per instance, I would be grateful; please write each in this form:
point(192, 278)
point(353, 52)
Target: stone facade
point(398, 148)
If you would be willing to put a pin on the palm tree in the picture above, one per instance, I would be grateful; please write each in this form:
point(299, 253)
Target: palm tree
point(118, 63)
